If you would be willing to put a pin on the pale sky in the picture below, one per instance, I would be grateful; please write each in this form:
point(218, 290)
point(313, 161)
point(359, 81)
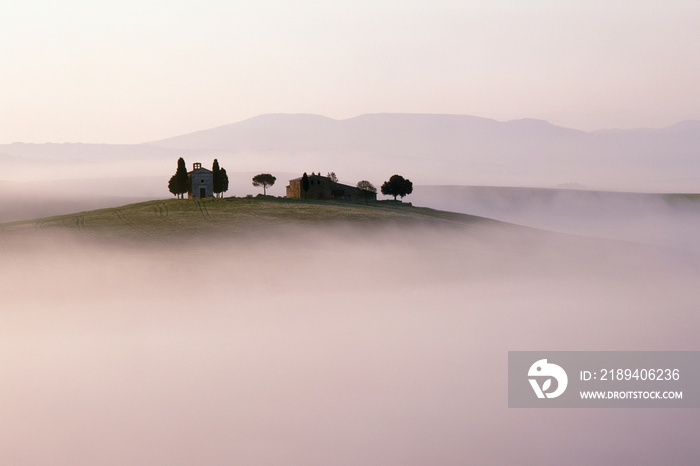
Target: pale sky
point(131, 71)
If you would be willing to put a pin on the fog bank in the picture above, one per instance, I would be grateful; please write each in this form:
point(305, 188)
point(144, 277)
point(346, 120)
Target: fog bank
point(313, 349)
point(669, 220)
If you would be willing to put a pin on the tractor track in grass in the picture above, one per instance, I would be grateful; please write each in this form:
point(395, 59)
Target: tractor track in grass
point(163, 213)
point(80, 223)
point(129, 223)
point(42, 225)
point(204, 210)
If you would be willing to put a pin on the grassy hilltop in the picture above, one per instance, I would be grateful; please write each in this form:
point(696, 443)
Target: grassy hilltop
point(176, 220)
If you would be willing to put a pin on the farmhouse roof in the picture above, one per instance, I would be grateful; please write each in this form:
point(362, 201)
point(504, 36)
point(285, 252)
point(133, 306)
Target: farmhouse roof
point(331, 181)
point(310, 176)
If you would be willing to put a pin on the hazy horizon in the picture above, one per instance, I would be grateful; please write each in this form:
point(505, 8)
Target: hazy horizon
point(352, 117)
point(429, 149)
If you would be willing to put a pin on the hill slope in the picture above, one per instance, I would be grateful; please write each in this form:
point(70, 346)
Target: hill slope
point(258, 224)
point(189, 220)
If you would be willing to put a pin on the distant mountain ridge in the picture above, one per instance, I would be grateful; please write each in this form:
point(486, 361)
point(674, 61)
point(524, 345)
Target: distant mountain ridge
point(426, 148)
point(222, 137)
point(463, 149)
point(311, 129)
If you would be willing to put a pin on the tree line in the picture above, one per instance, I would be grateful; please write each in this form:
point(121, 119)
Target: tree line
point(179, 183)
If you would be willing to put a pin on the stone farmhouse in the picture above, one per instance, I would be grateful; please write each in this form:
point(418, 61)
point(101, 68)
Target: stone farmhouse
point(322, 187)
point(201, 182)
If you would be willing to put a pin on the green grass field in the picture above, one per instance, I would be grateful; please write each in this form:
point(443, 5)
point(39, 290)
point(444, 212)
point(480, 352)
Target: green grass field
point(175, 220)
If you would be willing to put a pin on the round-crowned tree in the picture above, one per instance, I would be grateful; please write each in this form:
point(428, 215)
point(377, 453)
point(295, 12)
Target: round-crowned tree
point(264, 180)
point(397, 186)
point(366, 189)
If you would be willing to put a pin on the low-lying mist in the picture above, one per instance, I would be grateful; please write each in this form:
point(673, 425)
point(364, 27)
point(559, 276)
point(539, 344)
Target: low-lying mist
point(335, 346)
point(669, 220)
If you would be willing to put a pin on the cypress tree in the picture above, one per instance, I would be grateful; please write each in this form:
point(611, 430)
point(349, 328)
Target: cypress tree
point(178, 183)
point(184, 179)
point(172, 185)
point(305, 183)
point(224, 180)
point(216, 171)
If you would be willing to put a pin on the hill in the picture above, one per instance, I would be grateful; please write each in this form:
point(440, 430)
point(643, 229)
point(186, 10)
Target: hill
point(255, 224)
point(190, 220)
point(268, 228)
